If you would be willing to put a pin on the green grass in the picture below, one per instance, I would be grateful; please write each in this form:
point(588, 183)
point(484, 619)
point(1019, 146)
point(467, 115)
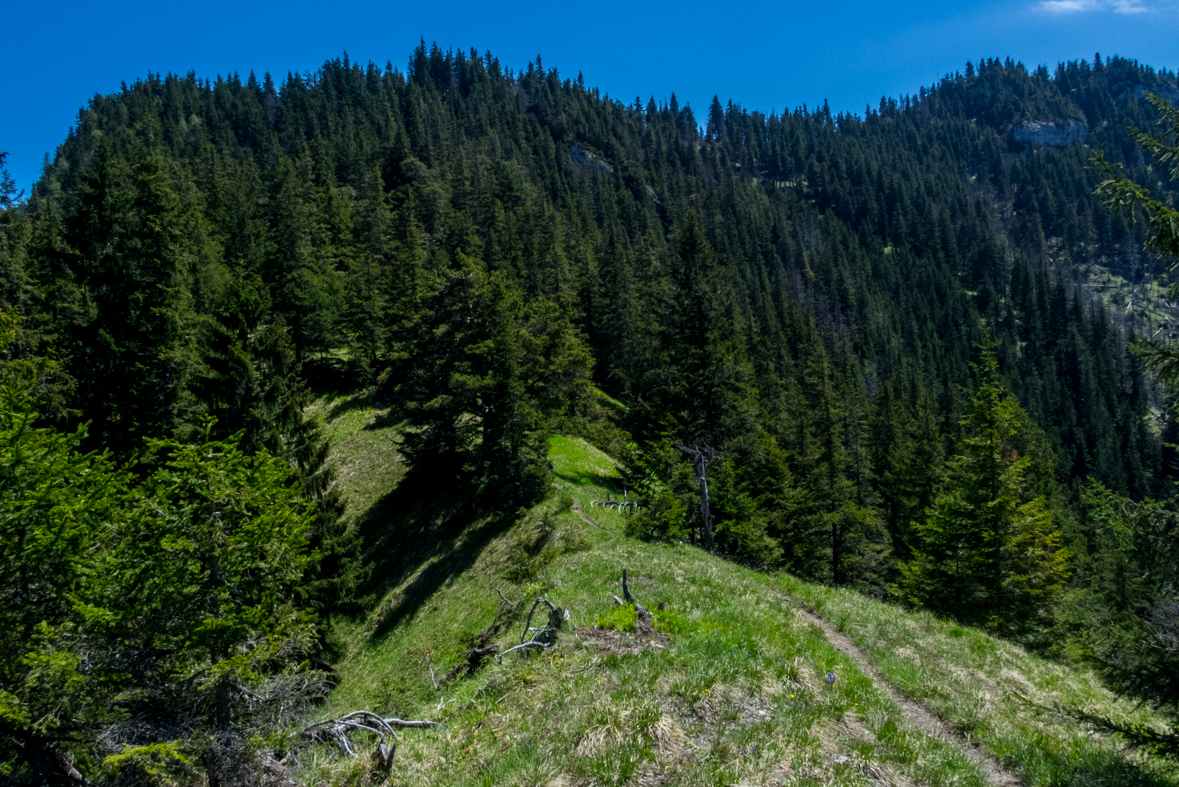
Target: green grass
point(736, 694)
point(609, 402)
point(733, 691)
point(1014, 704)
point(364, 449)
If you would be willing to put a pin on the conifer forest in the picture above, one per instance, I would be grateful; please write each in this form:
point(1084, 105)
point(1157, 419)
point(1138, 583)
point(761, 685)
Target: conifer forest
point(926, 353)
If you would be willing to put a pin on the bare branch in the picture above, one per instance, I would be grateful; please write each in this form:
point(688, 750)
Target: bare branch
point(528, 625)
point(544, 636)
point(414, 724)
point(336, 731)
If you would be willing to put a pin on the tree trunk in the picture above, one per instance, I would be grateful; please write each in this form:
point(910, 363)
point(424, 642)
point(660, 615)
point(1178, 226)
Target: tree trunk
point(705, 509)
point(836, 548)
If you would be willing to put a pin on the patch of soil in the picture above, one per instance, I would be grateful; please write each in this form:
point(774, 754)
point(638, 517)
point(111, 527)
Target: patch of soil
point(611, 641)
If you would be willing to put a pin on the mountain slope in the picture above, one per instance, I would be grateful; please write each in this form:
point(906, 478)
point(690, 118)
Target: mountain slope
point(737, 686)
point(805, 292)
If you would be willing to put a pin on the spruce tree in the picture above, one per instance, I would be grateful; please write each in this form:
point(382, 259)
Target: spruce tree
point(987, 551)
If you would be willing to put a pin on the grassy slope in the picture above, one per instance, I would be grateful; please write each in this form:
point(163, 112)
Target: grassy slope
point(737, 694)
point(994, 692)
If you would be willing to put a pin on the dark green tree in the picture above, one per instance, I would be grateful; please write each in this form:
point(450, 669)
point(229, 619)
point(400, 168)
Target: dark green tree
point(57, 504)
point(987, 551)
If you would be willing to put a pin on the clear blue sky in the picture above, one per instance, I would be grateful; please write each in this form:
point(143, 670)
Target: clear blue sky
point(763, 55)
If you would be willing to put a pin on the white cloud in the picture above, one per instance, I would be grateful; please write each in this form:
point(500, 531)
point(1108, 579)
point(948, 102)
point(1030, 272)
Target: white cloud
point(1078, 6)
point(1067, 6)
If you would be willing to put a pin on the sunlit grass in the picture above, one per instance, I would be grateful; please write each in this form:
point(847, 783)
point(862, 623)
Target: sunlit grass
point(737, 694)
point(1011, 702)
point(364, 450)
point(736, 689)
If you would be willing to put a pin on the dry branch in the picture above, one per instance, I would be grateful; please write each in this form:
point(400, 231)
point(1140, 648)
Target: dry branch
point(544, 636)
point(618, 504)
point(336, 731)
point(495, 587)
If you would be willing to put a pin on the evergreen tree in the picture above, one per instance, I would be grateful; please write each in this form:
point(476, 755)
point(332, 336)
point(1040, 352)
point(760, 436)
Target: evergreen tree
point(206, 607)
point(57, 503)
point(987, 551)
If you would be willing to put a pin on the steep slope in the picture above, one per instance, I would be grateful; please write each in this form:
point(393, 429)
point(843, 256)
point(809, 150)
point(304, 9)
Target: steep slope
point(737, 685)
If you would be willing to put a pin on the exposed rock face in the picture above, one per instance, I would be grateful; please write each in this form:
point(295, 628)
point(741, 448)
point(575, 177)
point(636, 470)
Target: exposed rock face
point(583, 158)
point(1162, 90)
point(1043, 132)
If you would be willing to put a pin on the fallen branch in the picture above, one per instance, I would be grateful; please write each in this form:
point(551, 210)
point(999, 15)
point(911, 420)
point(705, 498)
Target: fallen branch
point(618, 504)
point(417, 725)
point(544, 636)
point(527, 644)
point(506, 600)
point(336, 731)
point(532, 612)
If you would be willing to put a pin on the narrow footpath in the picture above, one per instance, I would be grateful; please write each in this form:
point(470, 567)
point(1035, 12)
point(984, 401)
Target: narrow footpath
point(916, 713)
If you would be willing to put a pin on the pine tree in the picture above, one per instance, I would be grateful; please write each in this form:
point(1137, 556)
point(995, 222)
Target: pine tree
point(201, 594)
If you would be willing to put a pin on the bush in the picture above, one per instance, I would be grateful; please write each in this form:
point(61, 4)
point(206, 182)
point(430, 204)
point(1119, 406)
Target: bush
point(670, 621)
point(618, 618)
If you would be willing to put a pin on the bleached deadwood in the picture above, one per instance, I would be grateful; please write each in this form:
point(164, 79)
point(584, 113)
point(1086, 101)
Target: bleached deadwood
point(703, 456)
point(336, 731)
point(494, 587)
point(619, 505)
point(417, 725)
point(542, 636)
point(505, 598)
point(521, 646)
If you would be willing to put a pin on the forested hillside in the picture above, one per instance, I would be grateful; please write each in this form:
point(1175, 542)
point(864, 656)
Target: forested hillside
point(886, 351)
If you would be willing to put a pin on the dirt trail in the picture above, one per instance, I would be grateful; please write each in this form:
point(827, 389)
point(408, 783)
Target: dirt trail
point(917, 714)
point(577, 509)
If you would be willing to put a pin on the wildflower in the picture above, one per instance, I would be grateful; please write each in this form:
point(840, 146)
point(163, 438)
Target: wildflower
point(831, 678)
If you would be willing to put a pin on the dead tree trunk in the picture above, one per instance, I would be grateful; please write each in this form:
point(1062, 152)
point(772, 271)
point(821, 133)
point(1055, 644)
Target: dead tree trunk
point(703, 456)
point(705, 507)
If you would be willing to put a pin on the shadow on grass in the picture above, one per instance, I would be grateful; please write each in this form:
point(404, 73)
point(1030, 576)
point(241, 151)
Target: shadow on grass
point(430, 520)
point(1121, 767)
point(608, 483)
point(346, 404)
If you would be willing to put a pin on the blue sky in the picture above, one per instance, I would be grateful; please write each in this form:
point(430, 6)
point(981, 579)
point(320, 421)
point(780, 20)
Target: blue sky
point(763, 55)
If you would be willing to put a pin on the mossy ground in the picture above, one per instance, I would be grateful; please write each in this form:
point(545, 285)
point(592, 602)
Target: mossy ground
point(738, 688)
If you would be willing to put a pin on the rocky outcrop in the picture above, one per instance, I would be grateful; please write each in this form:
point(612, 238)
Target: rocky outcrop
point(1044, 132)
point(583, 158)
point(1162, 90)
